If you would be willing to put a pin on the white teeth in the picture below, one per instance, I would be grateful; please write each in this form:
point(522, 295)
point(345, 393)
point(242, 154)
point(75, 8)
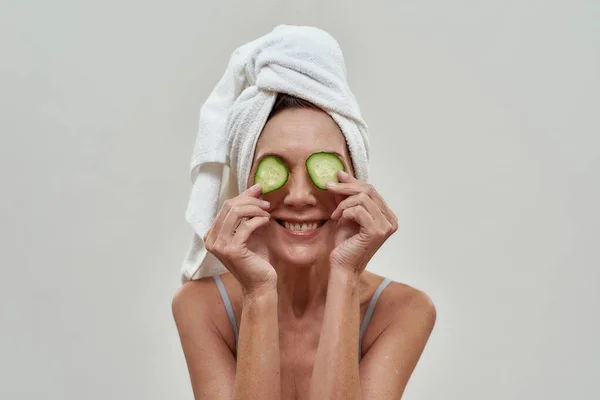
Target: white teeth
point(300, 227)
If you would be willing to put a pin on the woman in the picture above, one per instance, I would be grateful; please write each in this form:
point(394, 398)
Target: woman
point(300, 296)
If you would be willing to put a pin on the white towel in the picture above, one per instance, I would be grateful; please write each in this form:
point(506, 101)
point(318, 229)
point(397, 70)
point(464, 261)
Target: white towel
point(301, 61)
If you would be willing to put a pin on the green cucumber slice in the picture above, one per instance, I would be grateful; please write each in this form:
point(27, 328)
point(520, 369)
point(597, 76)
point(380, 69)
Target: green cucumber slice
point(322, 167)
point(271, 173)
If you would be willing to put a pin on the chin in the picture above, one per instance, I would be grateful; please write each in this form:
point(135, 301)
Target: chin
point(298, 252)
point(300, 256)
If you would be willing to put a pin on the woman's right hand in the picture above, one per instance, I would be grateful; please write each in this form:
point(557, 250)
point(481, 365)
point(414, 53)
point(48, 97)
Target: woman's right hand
point(228, 238)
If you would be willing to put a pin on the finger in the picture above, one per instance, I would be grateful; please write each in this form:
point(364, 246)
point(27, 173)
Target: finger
point(346, 188)
point(246, 228)
point(363, 200)
point(243, 200)
point(234, 218)
point(238, 213)
point(246, 198)
point(359, 215)
point(253, 195)
point(357, 186)
point(364, 219)
point(254, 190)
point(347, 185)
point(345, 177)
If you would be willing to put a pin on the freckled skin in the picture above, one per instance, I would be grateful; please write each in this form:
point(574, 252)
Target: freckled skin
point(280, 333)
point(295, 134)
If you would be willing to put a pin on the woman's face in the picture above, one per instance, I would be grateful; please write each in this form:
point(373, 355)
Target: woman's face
point(293, 135)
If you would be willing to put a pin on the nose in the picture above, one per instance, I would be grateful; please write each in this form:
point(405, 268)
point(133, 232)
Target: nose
point(299, 190)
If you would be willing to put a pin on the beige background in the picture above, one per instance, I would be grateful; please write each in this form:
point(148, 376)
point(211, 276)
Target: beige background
point(484, 119)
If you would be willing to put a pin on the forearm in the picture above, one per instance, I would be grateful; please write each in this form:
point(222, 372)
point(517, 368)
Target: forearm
point(335, 373)
point(258, 363)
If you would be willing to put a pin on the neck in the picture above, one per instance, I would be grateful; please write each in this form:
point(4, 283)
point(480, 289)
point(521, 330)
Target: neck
point(302, 289)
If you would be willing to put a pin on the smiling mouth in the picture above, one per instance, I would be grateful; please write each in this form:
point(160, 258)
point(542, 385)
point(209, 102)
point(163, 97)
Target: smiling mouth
point(301, 227)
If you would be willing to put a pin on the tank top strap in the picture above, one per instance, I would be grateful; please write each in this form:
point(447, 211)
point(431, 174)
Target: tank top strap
point(369, 314)
point(363, 328)
point(228, 307)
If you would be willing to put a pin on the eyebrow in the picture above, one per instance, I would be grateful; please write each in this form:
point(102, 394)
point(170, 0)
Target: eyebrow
point(263, 156)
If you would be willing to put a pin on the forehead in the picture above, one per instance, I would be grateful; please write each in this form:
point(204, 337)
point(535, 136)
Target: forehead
point(300, 132)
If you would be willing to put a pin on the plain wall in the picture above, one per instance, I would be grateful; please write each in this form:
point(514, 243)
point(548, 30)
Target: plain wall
point(485, 125)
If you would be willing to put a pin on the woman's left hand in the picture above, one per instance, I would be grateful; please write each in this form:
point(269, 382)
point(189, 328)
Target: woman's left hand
point(363, 223)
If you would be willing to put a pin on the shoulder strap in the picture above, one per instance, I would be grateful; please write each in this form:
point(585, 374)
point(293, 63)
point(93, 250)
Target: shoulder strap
point(228, 306)
point(363, 327)
point(370, 311)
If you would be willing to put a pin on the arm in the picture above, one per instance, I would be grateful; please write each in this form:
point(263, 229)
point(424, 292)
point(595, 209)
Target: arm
point(258, 367)
point(388, 364)
point(211, 364)
point(364, 223)
point(335, 373)
point(209, 359)
point(390, 361)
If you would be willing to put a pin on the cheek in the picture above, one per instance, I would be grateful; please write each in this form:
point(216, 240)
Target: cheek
point(329, 201)
point(275, 198)
point(251, 177)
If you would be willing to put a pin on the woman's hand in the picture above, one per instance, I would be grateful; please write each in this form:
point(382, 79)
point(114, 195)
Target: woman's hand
point(233, 240)
point(364, 222)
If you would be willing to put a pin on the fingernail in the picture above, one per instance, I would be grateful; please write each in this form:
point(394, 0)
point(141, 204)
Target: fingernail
point(255, 186)
point(344, 174)
point(266, 204)
point(330, 184)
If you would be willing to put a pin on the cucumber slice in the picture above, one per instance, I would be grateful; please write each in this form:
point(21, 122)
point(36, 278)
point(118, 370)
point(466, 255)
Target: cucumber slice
point(323, 167)
point(271, 173)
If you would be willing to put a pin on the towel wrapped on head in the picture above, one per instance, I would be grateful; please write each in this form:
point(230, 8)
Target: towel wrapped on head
point(301, 61)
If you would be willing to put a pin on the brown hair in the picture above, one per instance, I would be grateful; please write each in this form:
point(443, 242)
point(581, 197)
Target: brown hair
point(285, 101)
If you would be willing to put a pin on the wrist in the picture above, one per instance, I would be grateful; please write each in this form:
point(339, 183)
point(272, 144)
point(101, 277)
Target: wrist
point(345, 275)
point(265, 291)
point(266, 285)
point(260, 303)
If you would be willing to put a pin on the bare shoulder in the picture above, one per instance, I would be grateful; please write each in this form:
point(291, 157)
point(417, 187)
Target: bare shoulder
point(401, 297)
point(405, 298)
point(400, 304)
point(209, 356)
point(405, 317)
point(189, 303)
point(199, 302)
point(192, 294)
